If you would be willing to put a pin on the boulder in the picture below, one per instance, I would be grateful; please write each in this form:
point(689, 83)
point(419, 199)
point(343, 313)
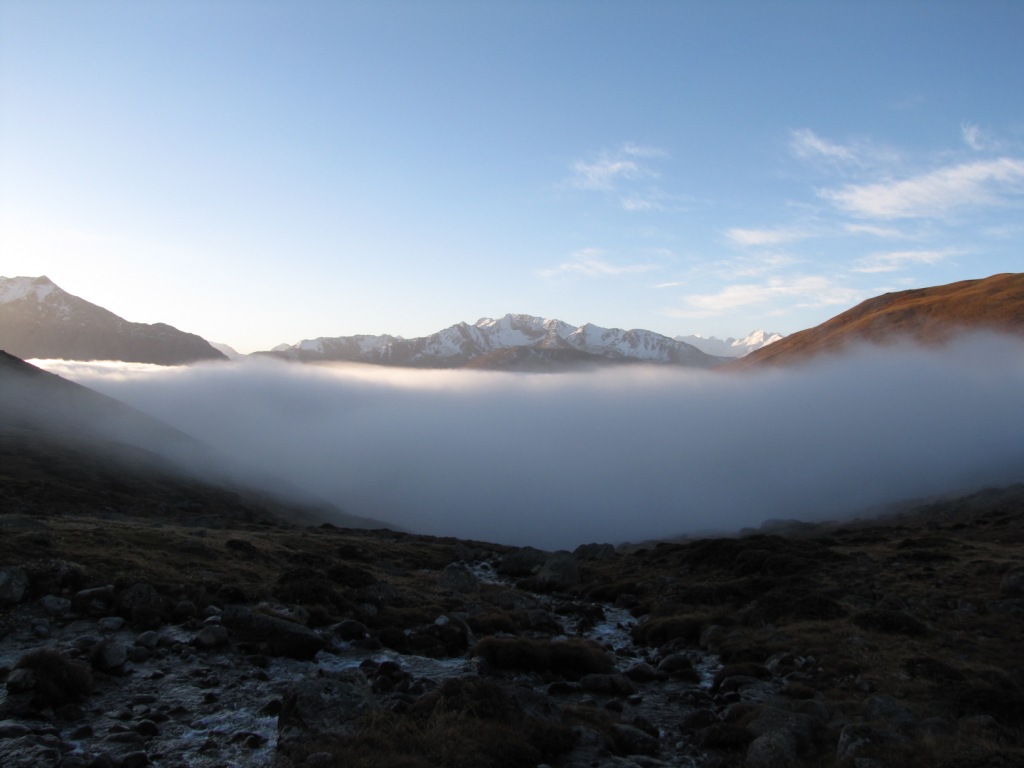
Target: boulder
point(560, 570)
point(109, 655)
point(521, 562)
point(459, 577)
point(13, 583)
point(142, 605)
point(274, 636)
point(1012, 584)
point(774, 749)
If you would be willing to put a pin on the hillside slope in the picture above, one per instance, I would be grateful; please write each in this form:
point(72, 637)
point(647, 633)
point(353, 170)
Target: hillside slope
point(925, 315)
point(65, 449)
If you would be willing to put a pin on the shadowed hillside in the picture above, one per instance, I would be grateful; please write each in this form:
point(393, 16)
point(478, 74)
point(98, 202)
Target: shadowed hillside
point(67, 449)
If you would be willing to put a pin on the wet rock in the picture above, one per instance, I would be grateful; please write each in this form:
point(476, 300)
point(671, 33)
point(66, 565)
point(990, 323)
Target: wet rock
point(609, 684)
point(459, 577)
point(210, 637)
point(641, 672)
point(350, 629)
point(111, 623)
point(278, 637)
point(109, 655)
point(629, 740)
point(1012, 584)
point(142, 605)
point(560, 570)
point(13, 583)
point(679, 666)
point(54, 605)
point(521, 562)
point(31, 751)
point(11, 729)
point(775, 749)
point(95, 601)
point(148, 639)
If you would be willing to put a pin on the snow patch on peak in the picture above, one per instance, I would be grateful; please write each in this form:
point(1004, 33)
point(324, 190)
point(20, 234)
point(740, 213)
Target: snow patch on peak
point(732, 347)
point(18, 288)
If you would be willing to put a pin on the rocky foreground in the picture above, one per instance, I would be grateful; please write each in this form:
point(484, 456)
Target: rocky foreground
point(896, 642)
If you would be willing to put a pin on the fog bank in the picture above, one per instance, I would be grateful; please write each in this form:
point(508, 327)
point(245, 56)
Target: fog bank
point(617, 455)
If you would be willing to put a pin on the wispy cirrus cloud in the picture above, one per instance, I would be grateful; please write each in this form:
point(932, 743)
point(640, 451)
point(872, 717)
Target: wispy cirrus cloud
point(875, 231)
point(622, 170)
point(795, 292)
point(894, 261)
point(854, 156)
point(766, 236)
point(806, 143)
point(983, 183)
point(603, 174)
point(590, 262)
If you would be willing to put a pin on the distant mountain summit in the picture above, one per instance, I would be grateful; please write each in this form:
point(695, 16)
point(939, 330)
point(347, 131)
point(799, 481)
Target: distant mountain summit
point(513, 342)
point(925, 315)
point(39, 320)
point(732, 347)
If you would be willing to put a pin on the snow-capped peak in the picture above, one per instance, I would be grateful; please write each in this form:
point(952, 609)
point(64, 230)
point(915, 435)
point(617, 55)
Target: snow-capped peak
point(18, 288)
point(732, 347)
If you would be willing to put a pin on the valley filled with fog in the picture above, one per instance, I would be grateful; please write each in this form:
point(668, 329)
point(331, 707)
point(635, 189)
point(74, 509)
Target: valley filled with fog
point(624, 454)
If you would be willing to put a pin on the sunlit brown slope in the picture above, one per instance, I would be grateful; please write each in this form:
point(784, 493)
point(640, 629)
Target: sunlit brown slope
point(928, 315)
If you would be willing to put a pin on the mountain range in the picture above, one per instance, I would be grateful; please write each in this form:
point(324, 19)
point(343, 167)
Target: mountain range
point(731, 347)
point(513, 342)
point(923, 315)
point(40, 320)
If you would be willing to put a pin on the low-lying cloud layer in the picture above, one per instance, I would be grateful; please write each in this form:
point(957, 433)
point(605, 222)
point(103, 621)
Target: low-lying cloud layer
point(619, 455)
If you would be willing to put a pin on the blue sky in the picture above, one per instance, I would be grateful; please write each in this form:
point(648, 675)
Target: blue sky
point(261, 172)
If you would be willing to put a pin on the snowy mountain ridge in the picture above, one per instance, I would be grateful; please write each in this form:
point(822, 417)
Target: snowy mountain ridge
point(731, 347)
point(486, 343)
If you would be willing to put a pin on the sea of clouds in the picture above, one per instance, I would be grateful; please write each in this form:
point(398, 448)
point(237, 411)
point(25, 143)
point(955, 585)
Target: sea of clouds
point(624, 454)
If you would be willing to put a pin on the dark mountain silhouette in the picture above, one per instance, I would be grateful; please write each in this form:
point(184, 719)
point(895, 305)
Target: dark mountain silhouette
point(925, 315)
point(40, 320)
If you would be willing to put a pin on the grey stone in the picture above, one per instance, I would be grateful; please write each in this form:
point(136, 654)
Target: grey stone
point(521, 562)
point(1012, 584)
point(142, 605)
point(774, 749)
point(13, 583)
point(459, 577)
point(109, 655)
point(562, 569)
point(212, 636)
point(55, 606)
point(277, 637)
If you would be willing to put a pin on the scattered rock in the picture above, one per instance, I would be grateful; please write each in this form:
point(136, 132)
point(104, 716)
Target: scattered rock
point(109, 655)
point(560, 570)
point(13, 583)
point(277, 637)
point(459, 577)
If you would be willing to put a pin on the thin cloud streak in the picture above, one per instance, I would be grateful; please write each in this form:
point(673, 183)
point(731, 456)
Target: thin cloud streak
point(897, 260)
point(992, 182)
point(630, 454)
point(765, 236)
point(589, 263)
point(801, 290)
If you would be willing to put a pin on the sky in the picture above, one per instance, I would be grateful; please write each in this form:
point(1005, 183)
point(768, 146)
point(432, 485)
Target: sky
point(262, 172)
